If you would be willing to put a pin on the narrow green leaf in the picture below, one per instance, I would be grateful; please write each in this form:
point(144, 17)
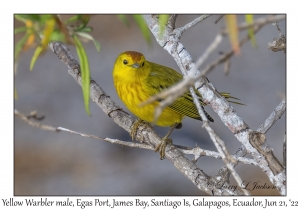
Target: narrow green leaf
point(35, 56)
point(163, 19)
point(58, 36)
point(249, 20)
point(85, 72)
point(84, 22)
point(15, 94)
point(49, 28)
point(45, 18)
point(32, 17)
point(20, 18)
point(20, 29)
point(89, 37)
point(143, 27)
point(72, 19)
point(80, 21)
point(86, 29)
point(20, 45)
point(124, 19)
point(97, 45)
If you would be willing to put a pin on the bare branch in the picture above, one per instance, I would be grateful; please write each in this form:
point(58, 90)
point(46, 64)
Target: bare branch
point(219, 18)
point(227, 66)
point(229, 162)
point(199, 152)
point(258, 22)
point(196, 151)
point(33, 123)
point(206, 53)
point(144, 133)
point(225, 111)
point(219, 144)
point(179, 31)
point(113, 141)
point(275, 115)
point(57, 129)
point(278, 44)
point(284, 151)
point(172, 93)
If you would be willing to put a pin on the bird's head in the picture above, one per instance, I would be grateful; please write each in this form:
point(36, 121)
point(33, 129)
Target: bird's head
point(130, 63)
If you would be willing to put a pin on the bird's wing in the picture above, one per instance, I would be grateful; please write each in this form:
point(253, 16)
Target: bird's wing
point(161, 78)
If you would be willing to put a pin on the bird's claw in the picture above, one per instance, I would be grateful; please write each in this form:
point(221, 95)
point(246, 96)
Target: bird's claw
point(161, 147)
point(135, 126)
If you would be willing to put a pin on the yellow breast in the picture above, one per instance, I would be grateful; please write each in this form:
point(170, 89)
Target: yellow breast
point(133, 94)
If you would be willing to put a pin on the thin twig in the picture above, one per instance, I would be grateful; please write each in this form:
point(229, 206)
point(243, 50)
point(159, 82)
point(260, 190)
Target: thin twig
point(199, 152)
point(186, 150)
point(179, 31)
point(278, 44)
point(274, 116)
point(227, 67)
point(57, 129)
point(219, 18)
point(284, 151)
point(113, 141)
point(206, 53)
point(260, 21)
point(172, 93)
point(269, 122)
point(181, 87)
point(33, 123)
point(219, 144)
point(169, 95)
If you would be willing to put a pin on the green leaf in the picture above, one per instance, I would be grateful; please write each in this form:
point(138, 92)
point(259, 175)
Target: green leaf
point(35, 56)
point(249, 20)
point(89, 37)
point(123, 19)
point(85, 72)
point(20, 45)
point(72, 19)
point(86, 29)
point(49, 28)
point(32, 17)
point(15, 94)
point(57, 36)
point(20, 18)
point(143, 27)
point(45, 18)
point(163, 19)
point(82, 20)
point(84, 23)
point(20, 29)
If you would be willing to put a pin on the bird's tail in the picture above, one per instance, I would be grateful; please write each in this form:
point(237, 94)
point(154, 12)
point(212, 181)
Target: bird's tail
point(229, 97)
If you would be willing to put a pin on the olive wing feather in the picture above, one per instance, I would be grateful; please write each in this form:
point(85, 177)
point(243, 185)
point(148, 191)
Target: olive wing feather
point(162, 77)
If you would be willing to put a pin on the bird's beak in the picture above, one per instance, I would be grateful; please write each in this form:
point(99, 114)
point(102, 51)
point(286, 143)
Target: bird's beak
point(136, 65)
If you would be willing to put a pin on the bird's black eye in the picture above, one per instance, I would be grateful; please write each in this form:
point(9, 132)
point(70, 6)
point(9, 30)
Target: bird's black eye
point(125, 61)
point(143, 64)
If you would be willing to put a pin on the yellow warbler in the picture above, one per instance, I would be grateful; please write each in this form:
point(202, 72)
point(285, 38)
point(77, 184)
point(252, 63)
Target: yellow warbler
point(137, 79)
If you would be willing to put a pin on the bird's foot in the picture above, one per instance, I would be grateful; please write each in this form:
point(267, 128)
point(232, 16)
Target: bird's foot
point(135, 126)
point(161, 147)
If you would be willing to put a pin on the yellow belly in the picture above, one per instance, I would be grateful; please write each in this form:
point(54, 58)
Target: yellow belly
point(133, 95)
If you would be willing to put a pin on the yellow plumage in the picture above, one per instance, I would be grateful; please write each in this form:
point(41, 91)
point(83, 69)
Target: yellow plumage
point(137, 79)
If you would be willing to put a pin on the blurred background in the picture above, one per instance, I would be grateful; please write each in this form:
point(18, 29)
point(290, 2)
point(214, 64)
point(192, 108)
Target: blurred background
point(49, 163)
